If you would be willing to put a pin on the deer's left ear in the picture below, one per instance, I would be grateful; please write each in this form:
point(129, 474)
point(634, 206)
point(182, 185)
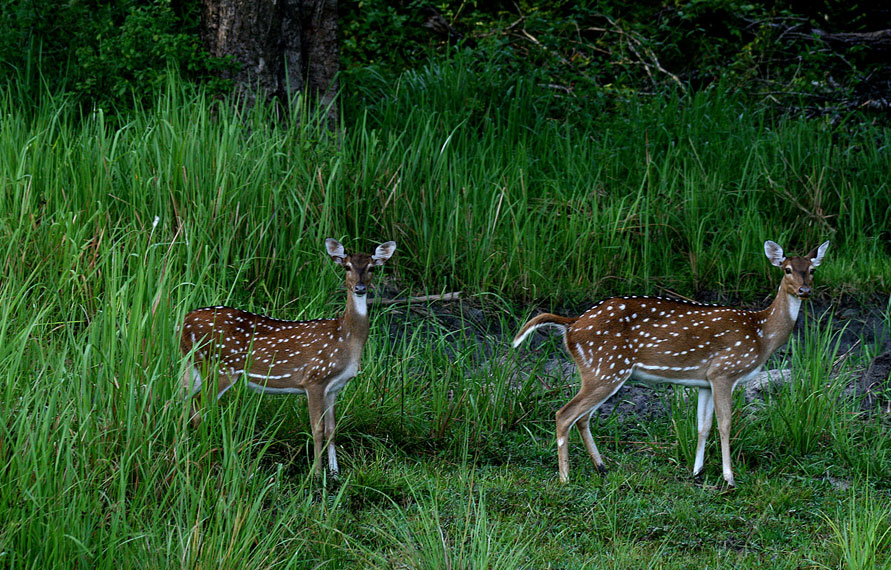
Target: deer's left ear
point(816, 254)
point(335, 250)
point(383, 252)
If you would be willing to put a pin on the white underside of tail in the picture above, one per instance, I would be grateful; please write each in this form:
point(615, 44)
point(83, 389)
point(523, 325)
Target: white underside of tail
point(519, 341)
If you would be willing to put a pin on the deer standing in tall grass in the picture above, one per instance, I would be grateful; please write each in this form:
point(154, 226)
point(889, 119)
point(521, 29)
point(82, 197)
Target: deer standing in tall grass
point(315, 358)
point(658, 340)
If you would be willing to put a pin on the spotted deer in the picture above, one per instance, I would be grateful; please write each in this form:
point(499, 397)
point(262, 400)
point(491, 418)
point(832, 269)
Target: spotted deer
point(658, 340)
point(315, 358)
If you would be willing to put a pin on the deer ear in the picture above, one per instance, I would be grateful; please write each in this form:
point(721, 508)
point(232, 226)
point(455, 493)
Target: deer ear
point(335, 250)
point(774, 253)
point(383, 252)
point(816, 254)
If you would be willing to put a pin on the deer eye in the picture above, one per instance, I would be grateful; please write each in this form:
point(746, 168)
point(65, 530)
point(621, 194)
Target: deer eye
point(788, 271)
point(812, 271)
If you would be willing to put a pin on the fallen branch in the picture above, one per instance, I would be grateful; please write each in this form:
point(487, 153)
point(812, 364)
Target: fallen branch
point(445, 297)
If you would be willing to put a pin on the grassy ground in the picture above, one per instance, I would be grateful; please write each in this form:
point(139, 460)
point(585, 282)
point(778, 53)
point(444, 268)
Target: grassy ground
point(113, 232)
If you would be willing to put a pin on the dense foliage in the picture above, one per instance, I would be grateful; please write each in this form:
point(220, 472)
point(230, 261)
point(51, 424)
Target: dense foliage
point(112, 53)
point(107, 54)
point(767, 50)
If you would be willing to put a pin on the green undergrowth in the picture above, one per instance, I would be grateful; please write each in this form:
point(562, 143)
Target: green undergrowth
point(481, 191)
point(112, 232)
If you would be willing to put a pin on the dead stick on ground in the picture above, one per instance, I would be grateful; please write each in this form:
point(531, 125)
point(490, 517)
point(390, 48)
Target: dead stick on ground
point(454, 296)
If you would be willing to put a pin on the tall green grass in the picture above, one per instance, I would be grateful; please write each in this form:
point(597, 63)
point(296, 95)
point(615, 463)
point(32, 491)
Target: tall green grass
point(112, 230)
point(480, 186)
point(861, 532)
point(802, 412)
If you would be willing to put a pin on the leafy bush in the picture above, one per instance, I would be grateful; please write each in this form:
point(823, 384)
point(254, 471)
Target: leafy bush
point(766, 50)
point(104, 53)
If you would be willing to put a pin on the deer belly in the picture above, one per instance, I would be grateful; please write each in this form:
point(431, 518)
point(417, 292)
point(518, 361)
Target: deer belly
point(748, 376)
point(262, 387)
point(653, 376)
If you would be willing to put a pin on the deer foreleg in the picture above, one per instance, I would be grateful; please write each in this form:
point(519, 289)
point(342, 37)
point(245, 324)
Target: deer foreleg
point(329, 432)
point(316, 403)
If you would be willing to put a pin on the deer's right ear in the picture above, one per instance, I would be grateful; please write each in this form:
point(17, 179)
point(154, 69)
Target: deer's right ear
point(335, 250)
point(774, 253)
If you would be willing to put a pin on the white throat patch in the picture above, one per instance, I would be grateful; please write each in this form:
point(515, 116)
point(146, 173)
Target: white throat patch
point(794, 306)
point(360, 304)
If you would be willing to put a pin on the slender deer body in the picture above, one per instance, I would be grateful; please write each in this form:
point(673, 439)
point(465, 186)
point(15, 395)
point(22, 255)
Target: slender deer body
point(315, 358)
point(657, 340)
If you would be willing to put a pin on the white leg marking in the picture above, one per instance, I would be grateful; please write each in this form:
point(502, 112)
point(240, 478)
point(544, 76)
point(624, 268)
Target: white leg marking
point(705, 407)
point(329, 431)
point(332, 459)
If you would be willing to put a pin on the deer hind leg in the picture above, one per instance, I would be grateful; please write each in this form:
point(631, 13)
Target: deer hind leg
point(191, 385)
point(592, 394)
point(705, 407)
point(584, 425)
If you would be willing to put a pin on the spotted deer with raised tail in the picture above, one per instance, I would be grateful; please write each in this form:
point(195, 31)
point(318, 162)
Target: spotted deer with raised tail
point(316, 358)
point(658, 340)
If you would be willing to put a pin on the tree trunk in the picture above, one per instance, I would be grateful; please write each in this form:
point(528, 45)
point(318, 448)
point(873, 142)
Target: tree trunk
point(282, 47)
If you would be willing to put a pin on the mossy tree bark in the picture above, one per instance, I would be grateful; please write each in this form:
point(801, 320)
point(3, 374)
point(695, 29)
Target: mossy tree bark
point(281, 47)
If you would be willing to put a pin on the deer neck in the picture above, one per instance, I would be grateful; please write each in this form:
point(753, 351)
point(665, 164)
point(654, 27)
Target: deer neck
point(779, 319)
point(354, 322)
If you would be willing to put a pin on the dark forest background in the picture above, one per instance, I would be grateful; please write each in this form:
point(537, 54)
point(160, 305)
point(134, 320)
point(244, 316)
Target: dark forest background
point(822, 58)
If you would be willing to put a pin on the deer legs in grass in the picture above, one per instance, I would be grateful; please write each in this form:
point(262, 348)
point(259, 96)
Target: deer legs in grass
point(316, 358)
point(321, 421)
point(656, 340)
point(705, 409)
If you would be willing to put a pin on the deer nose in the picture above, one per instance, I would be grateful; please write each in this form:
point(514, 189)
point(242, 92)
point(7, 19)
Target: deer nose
point(804, 291)
point(359, 289)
